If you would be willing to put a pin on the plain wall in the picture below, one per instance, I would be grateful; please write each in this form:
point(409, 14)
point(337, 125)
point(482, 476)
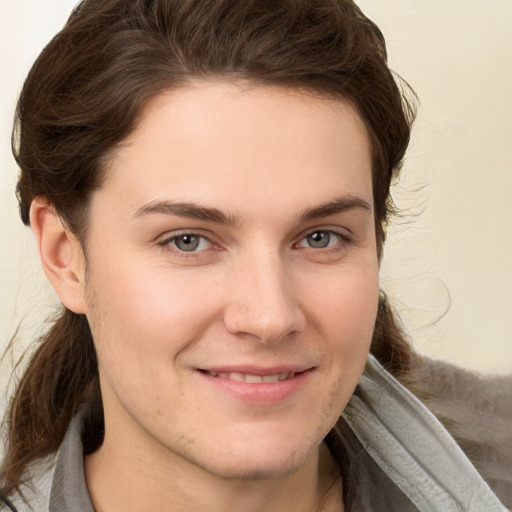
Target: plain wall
point(448, 265)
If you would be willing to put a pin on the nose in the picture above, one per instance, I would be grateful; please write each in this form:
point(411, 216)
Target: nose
point(263, 301)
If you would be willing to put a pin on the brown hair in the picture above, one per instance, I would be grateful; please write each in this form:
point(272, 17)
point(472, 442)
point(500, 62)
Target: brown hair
point(83, 97)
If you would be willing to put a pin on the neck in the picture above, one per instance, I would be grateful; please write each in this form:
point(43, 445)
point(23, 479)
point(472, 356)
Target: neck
point(125, 481)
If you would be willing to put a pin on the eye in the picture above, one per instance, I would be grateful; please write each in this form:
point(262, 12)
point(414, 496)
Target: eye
point(322, 239)
point(188, 242)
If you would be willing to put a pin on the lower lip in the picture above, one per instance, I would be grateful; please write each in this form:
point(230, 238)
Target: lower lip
point(260, 393)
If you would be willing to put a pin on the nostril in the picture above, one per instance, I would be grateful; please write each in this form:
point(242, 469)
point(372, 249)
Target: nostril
point(267, 326)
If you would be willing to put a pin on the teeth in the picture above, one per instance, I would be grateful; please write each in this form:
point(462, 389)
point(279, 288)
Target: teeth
point(253, 379)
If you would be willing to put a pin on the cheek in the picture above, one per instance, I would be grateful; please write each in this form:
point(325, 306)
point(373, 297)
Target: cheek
point(347, 303)
point(351, 329)
point(145, 305)
point(347, 329)
point(345, 314)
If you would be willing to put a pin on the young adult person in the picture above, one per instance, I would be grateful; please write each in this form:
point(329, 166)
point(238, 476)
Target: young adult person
point(208, 185)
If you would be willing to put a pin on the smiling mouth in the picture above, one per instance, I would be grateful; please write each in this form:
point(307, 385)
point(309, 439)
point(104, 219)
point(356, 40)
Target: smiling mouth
point(259, 386)
point(253, 379)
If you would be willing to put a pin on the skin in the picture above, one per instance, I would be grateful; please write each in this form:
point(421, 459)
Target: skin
point(276, 282)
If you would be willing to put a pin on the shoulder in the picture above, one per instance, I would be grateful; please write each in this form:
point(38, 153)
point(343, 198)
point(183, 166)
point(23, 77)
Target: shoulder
point(36, 491)
point(477, 411)
point(58, 481)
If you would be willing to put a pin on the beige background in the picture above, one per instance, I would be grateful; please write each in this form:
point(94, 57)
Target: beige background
point(448, 270)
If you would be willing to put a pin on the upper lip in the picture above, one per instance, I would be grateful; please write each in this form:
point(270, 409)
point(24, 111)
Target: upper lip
point(258, 370)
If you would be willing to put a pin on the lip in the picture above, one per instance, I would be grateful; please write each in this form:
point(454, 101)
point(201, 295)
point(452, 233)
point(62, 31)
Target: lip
point(261, 393)
point(258, 370)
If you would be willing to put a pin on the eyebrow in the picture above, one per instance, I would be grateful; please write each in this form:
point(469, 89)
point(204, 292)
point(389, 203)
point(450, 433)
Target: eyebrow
point(194, 211)
point(189, 210)
point(337, 206)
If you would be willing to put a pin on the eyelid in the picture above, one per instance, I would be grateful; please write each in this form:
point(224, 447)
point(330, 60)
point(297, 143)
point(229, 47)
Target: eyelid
point(165, 241)
point(344, 234)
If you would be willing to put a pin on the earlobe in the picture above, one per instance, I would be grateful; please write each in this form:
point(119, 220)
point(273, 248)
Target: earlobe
point(61, 254)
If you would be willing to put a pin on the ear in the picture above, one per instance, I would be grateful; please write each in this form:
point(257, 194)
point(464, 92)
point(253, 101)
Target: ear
point(61, 255)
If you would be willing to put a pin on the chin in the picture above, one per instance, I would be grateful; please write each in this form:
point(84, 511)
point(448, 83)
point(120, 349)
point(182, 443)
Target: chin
point(267, 468)
point(267, 458)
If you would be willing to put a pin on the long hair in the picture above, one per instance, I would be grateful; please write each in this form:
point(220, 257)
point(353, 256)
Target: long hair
point(84, 96)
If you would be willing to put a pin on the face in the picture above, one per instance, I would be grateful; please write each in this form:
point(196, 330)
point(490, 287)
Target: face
point(232, 277)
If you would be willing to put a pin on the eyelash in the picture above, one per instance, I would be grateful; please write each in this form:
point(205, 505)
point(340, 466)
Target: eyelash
point(343, 239)
point(166, 244)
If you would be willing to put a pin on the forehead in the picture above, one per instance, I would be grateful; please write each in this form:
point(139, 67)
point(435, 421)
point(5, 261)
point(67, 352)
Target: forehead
point(226, 143)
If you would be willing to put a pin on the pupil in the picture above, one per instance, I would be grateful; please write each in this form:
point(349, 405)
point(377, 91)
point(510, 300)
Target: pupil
point(319, 239)
point(187, 243)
